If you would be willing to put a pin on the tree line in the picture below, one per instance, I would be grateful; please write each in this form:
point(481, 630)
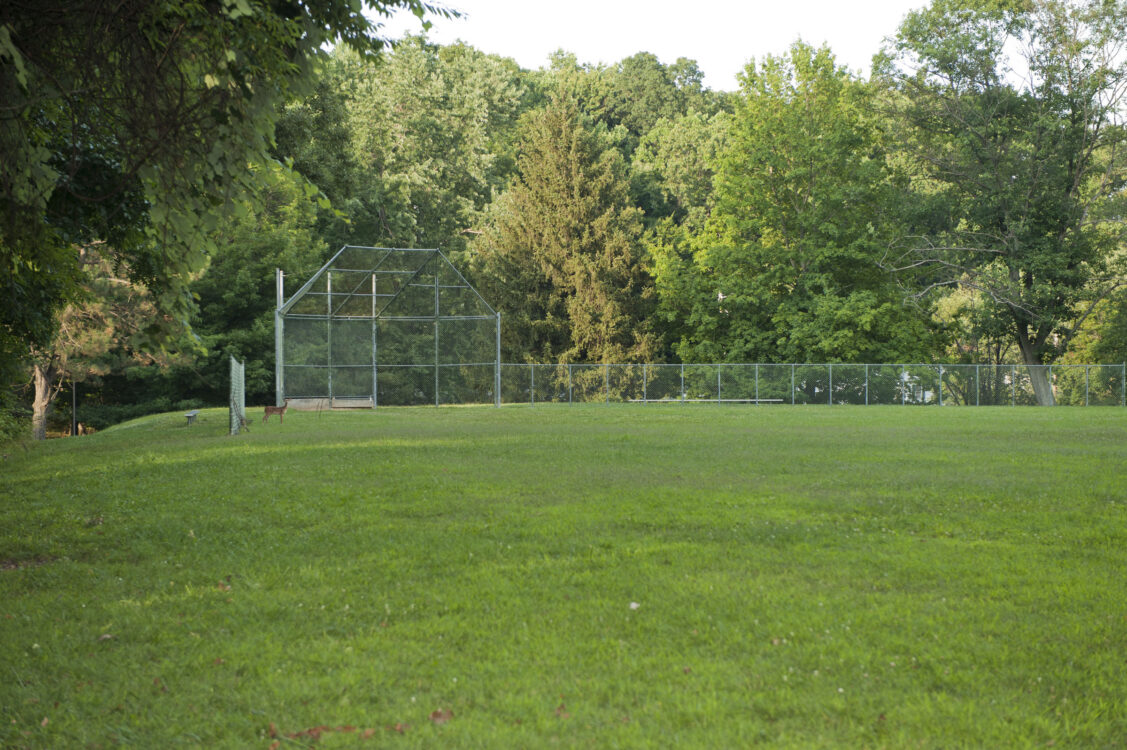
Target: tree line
point(962, 203)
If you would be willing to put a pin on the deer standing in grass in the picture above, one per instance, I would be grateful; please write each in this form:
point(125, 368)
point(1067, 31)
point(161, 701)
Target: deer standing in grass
point(279, 410)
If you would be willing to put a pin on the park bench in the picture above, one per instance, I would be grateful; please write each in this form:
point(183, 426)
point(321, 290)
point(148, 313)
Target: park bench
point(192, 416)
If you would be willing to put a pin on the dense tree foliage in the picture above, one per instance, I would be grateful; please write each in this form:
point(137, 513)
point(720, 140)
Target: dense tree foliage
point(785, 270)
point(964, 203)
point(135, 123)
point(562, 255)
point(98, 335)
point(1013, 112)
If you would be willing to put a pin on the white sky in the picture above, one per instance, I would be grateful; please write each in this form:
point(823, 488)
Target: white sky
point(721, 35)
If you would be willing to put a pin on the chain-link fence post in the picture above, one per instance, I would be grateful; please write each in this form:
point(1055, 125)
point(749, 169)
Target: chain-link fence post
point(682, 382)
point(436, 311)
point(497, 367)
point(866, 385)
point(939, 387)
point(279, 342)
point(375, 351)
point(757, 384)
point(792, 384)
point(606, 381)
point(831, 388)
point(1013, 385)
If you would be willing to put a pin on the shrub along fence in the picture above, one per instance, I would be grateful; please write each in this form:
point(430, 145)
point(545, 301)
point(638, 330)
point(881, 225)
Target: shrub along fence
point(903, 384)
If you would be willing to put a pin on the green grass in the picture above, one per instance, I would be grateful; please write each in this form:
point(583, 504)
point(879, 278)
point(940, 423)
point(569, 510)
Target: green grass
point(804, 577)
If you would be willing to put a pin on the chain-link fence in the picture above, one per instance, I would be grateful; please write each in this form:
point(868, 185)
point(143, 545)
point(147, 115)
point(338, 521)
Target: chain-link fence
point(238, 401)
point(384, 326)
point(940, 385)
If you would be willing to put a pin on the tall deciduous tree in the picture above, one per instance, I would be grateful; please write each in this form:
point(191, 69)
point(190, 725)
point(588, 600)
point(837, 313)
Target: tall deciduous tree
point(563, 258)
point(1015, 114)
point(785, 269)
point(135, 122)
point(432, 137)
point(95, 334)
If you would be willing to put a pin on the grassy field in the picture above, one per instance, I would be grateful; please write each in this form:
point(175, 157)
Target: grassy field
point(594, 576)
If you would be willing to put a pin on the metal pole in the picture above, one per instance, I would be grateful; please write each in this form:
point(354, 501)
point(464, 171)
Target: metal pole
point(1086, 385)
point(532, 384)
point(831, 391)
point(941, 385)
point(682, 382)
point(375, 359)
point(866, 385)
point(329, 325)
point(497, 367)
point(1013, 385)
point(435, 331)
point(792, 384)
point(569, 383)
point(977, 387)
point(606, 381)
point(757, 384)
point(645, 399)
point(279, 359)
point(73, 408)
point(903, 384)
point(279, 342)
point(718, 383)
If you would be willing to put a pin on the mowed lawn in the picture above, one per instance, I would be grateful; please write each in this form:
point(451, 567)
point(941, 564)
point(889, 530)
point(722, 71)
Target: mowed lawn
point(588, 576)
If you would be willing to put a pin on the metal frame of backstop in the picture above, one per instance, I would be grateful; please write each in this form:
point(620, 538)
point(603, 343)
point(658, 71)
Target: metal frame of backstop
point(386, 326)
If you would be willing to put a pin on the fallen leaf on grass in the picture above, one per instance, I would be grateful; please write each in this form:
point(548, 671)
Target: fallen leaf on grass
point(45, 722)
point(441, 716)
point(561, 712)
point(367, 734)
point(313, 733)
point(218, 661)
point(401, 728)
point(105, 637)
point(686, 670)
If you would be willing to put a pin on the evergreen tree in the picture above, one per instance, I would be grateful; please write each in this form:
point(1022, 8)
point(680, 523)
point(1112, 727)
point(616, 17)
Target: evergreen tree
point(562, 256)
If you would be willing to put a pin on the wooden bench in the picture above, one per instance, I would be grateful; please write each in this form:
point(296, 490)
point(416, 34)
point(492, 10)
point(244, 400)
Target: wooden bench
point(192, 416)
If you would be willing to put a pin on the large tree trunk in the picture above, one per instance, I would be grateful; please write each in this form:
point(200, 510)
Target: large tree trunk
point(44, 395)
point(1038, 374)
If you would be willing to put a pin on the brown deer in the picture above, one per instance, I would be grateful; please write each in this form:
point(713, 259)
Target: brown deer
point(279, 410)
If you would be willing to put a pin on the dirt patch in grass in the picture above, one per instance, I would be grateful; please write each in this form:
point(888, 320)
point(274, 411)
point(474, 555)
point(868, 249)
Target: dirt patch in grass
point(34, 562)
